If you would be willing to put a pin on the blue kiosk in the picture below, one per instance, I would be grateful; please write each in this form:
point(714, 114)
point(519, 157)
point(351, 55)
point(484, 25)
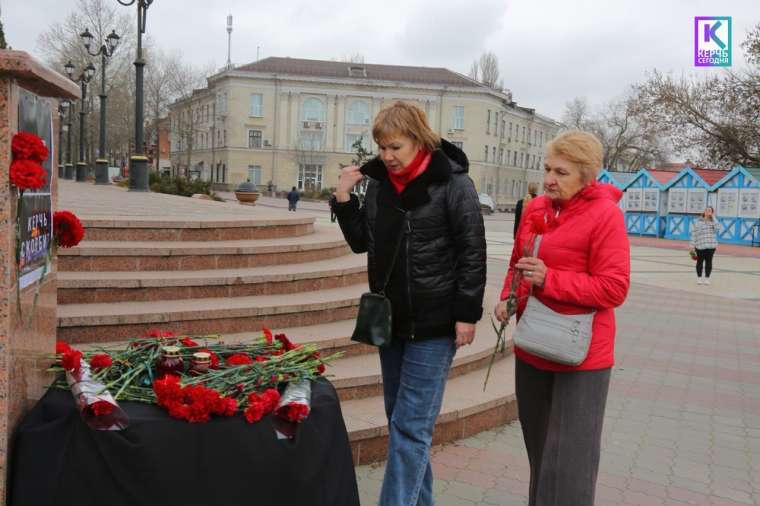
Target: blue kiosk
point(737, 206)
point(645, 202)
point(688, 195)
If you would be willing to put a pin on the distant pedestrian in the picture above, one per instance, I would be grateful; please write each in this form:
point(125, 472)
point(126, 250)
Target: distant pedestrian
point(704, 240)
point(293, 198)
point(522, 203)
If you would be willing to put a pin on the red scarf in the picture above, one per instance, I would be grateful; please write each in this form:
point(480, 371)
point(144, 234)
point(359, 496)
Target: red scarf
point(407, 174)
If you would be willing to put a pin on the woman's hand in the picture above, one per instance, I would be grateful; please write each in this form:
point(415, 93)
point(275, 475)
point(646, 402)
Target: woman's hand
point(500, 311)
point(465, 333)
point(349, 177)
point(533, 269)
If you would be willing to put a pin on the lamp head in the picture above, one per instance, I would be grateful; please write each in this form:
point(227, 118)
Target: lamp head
point(87, 38)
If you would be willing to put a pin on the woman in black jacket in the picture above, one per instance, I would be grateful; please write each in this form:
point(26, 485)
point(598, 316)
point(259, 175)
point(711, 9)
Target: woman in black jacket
point(523, 203)
point(419, 202)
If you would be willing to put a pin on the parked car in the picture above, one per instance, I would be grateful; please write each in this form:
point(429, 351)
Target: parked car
point(487, 205)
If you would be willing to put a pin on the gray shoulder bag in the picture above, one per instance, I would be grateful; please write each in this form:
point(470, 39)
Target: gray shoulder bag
point(554, 336)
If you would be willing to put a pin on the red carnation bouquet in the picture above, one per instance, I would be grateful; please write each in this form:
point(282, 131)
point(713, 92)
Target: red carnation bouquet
point(244, 378)
point(26, 172)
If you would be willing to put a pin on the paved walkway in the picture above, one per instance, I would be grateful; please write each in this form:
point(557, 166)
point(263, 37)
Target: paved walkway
point(683, 417)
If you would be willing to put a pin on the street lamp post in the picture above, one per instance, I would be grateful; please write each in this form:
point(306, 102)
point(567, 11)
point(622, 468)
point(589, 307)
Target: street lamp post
point(63, 107)
point(138, 162)
point(105, 52)
point(83, 79)
point(68, 172)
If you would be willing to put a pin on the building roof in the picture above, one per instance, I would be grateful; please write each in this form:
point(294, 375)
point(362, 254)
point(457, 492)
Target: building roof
point(674, 166)
point(755, 171)
point(662, 176)
point(711, 176)
point(359, 71)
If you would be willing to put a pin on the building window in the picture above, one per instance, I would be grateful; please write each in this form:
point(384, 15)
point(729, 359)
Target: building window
point(510, 131)
point(523, 136)
point(358, 113)
point(485, 155)
point(254, 138)
point(522, 160)
point(256, 105)
point(309, 141)
point(351, 139)
point(501, 156)
point(529, 137)
point(514, 159)
point(488, 122)
point(313, 110)
point(495, 124)
point(458, 144)
point(254, 174)
point(309, 177)
point(509, 156)
point(493, 154)
point(503, 126)
point(458, 123)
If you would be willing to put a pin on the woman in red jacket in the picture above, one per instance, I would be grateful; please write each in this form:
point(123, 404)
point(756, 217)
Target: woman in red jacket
point(583, 265)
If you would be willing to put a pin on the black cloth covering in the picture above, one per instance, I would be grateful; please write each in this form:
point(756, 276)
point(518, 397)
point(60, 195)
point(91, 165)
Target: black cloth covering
point(159, 461)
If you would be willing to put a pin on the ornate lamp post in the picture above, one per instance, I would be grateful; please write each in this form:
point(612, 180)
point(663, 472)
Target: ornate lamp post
point(105, 52)
point(83, 79)
point(63, 107)
point(138, 162)
point(68, 171)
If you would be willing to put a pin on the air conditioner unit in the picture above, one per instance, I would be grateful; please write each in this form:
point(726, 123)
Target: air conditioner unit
point(306, 124)
point(318, 125)
point(266, 143)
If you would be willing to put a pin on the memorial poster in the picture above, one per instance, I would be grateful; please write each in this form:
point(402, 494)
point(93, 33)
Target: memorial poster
point(677, 200)
point(749, 203)
point(728, 202)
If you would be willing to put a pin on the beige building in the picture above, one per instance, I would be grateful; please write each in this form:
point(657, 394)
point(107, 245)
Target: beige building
point(293, 122)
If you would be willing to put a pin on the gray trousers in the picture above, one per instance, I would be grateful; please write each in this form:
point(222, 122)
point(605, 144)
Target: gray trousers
point(561, 416)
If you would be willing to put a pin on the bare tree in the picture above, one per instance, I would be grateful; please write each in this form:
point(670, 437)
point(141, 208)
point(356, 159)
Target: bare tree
point(474, 70)
point(60, 42)
point(576, 114)
point(307, 150)
point(489, 70)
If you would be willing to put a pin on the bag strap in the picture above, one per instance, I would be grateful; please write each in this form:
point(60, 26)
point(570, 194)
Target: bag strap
point(393, 260)
point(536, 244)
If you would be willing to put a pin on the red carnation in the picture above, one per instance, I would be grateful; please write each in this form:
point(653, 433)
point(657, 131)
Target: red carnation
point(72, 360)
point(260, 358)
point(100, 361)
point(61, 347)
point(261, 404)
point(226, 406)
point(538, 225)
point(254, 412)
point(294, 412)
point(239, 359)
point(286, 344)
point(267, 335)
point(321, 369)
point(100, 408)
point(186, 341)
point(27, 175)
point(27, 146)
point(67, 229)
point(159, 333)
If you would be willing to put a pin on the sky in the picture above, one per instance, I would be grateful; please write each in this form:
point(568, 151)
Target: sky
point(550, 51)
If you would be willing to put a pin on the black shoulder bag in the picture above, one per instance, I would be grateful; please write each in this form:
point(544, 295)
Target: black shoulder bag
point(374, 323)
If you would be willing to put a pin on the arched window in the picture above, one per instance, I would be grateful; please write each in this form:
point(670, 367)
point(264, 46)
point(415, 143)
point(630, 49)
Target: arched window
point(358, 113)
point(313, 110)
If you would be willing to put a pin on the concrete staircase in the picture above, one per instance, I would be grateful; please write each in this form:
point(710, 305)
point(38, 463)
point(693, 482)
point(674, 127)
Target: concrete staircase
point(231, 272)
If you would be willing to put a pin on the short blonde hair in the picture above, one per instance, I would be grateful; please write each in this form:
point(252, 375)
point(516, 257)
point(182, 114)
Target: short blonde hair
point(583, 149)
point(532, 190)
point(403, 118)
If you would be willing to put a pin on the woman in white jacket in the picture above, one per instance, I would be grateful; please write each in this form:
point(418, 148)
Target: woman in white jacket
point(704, 239)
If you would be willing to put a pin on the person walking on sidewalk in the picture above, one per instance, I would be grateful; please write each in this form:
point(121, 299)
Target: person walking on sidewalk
point(583, 264)
point(419, 202)
point(704, 240)
point(293, 198)
point(532, 192)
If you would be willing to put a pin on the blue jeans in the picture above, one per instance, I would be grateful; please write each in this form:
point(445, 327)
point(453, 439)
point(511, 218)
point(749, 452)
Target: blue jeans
point(414, 376)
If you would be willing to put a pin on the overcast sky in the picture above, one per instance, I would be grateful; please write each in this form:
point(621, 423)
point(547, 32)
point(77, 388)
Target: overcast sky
point(549, 51)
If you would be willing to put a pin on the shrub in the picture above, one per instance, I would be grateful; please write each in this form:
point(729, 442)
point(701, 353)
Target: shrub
point(179, 185)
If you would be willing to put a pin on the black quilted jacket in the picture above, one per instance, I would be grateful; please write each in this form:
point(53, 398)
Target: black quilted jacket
point(440, 272)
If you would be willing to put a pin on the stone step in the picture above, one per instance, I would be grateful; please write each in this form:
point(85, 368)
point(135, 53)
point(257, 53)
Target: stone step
point(466, 410)
point(121, 286)
point(114, 321)
point(359, 376)
point(125, 255)
point(147, 229)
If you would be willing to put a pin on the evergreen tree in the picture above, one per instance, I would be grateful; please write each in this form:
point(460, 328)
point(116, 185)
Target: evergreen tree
point(3, 44)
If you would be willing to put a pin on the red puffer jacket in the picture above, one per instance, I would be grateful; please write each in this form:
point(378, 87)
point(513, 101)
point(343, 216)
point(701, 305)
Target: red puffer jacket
point(587, 255)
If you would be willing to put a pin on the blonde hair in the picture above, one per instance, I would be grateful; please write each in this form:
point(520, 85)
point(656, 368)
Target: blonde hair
point(403, 118)
point(532, 191)
point(582, 149)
